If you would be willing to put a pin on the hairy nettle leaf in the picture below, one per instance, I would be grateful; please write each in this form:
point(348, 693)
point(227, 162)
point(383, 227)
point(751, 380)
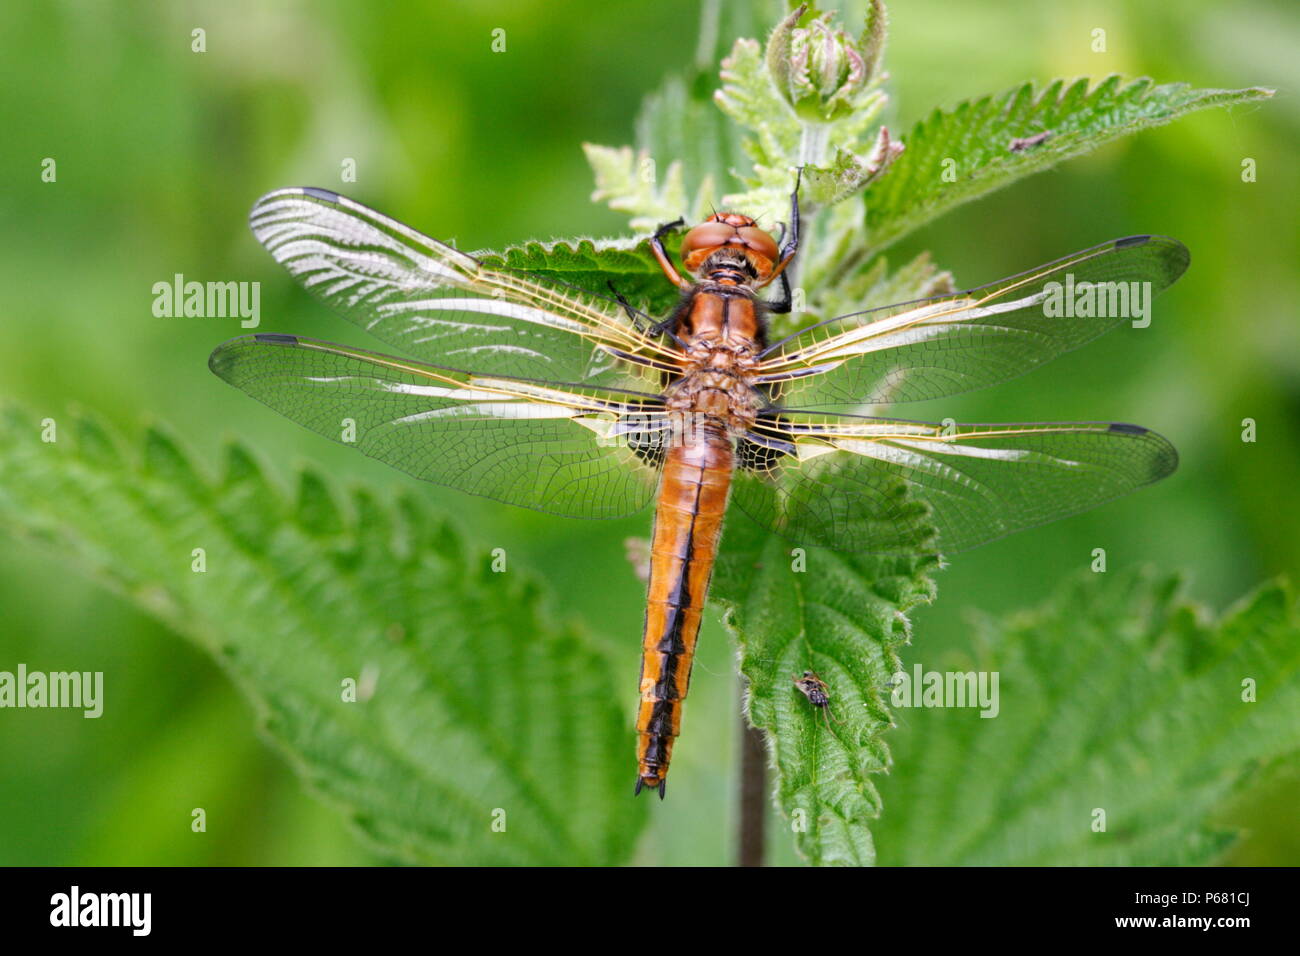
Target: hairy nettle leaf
point(843, 617)
point(482, 731)
point(1125, 716)
point(954, 156)
point(592, 264)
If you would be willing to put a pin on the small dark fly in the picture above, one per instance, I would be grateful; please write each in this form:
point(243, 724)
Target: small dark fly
point(818, 693)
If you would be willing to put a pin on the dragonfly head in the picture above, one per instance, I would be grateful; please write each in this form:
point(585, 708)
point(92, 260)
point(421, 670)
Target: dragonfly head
point(729, 237)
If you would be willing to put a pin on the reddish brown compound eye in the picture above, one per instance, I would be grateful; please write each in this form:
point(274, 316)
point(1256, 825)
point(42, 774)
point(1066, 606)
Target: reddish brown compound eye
point(729, 229)
point(763, 245)
point(703, 239)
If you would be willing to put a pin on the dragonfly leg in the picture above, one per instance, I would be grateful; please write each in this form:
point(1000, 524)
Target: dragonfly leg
point(661, 255)
point(792, 240)
point(791, 247)
point(644, 323)
point(668, 227)
point(639, 319)
point(784, 301)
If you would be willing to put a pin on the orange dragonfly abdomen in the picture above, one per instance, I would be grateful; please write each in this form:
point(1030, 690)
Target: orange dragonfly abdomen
point(688, 525)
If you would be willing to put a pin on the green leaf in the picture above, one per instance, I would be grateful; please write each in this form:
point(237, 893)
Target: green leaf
point(630, 182)
point(1118, 695)
point(679, 123)
point(974, 142)
point(843, 284)
point(471, 699)
point(844, 617)
point(590, 264)
point(679, 126)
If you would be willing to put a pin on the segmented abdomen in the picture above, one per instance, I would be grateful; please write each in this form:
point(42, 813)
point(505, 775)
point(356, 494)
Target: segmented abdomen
point(688, 525)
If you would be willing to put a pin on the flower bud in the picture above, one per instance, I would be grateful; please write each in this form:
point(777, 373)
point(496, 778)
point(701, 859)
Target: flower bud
point(822, 72)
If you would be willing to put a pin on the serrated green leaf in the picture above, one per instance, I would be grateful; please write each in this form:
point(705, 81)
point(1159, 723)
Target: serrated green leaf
point(591, 264)
point(973, 142)
point(471, 700)
point(748, 96)
point(1117, 695)
point(93, 439)
point(630, 182)
point(874, 35)
point(246, 502)
point(687, 150)
point(317, 512)
point(842, 616)
point(679, 124)
point(163, 459)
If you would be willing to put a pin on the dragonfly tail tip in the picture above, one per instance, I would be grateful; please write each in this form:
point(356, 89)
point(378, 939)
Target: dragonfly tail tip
point(642, 782)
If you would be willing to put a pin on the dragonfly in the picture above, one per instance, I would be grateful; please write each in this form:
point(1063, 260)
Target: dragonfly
point(569, 400)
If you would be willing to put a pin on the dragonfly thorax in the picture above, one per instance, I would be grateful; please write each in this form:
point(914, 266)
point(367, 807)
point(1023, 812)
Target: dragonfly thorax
point(716, 388)
point(707, 352)
point(722, 317)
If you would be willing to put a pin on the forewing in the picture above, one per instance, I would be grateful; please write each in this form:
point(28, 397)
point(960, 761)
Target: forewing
point(574, 451)
point(875, 485)
point(441, 305)
point(951, 344)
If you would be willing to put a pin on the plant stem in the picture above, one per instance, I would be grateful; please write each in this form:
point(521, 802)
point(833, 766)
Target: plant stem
point(753, 793)
point(814, 143)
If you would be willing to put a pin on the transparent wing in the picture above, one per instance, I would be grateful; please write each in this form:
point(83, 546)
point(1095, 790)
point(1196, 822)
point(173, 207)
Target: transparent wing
point(874, 484)
point(441, 305)
point(950, 344)
point(574, 451)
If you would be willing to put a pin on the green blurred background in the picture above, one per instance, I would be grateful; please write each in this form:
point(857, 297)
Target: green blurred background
point(160, 152)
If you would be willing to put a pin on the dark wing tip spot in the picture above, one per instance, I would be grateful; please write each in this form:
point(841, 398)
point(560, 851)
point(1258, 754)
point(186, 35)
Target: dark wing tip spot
point(1127, 429)
point(1132, 241)
point(276, 338)
point(325, 194)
